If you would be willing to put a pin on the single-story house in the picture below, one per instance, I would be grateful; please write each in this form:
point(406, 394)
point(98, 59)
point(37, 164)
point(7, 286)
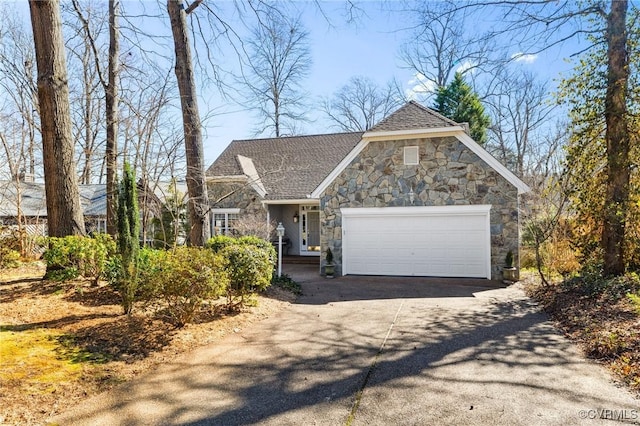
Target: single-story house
point(412, 196)
point(26, 200)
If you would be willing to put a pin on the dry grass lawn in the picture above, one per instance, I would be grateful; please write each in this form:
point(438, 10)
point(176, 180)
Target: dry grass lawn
point(63, 342)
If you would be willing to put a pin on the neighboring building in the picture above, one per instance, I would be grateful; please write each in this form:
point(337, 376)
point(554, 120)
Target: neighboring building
point(27, 200)
point(414, 195)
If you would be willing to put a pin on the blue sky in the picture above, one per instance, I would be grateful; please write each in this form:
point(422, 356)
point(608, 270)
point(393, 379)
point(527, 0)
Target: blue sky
point(340, 50)
point(368, 47)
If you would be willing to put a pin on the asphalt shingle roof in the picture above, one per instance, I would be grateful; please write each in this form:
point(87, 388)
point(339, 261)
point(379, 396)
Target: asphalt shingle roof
point(33, 200)
point(289, 167)
point(412, 116)
point(292, 167)
point(93, 198)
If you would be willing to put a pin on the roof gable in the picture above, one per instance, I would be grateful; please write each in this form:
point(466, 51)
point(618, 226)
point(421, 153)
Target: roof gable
point(454, 131)
point(301, 166)
point(288, 167)
point(412, 116)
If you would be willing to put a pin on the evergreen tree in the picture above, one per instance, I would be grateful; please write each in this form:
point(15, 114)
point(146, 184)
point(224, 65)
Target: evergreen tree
point(128, 238)
point(458, 102)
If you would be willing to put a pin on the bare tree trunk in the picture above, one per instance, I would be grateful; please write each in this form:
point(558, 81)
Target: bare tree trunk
point(85, 175)
point(112, 117)
point(198, 198)
point(276, 114)
point(64, 213)
point(617, 138)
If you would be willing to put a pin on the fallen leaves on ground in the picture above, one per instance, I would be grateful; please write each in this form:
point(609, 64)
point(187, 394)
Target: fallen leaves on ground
point(63, 342)
point(606, 329)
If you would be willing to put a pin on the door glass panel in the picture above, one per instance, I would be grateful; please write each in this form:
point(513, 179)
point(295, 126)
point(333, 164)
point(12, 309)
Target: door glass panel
point(313, 234)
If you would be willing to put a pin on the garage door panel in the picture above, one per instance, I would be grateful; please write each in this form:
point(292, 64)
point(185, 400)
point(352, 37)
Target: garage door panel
point(450, 243)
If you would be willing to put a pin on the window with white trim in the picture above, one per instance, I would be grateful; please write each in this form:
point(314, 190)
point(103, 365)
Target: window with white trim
point(223, 220)
point(411, 155)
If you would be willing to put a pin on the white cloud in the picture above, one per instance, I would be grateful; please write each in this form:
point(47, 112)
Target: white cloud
point(524, 57)
point(465, 66)
point(419, 86)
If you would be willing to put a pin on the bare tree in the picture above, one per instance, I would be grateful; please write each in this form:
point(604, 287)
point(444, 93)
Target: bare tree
point(520, 110)
point(19, 105)
point(110, 85)
point(64, 213)
point(536, 25)
point(151, 139)
point(15, 191)
point(198, 198)
point(618, 139)
point(83, 27)
point(441, 44)
point(254, 225)
point(278, 60)
point(111, 150)
point(361, 103)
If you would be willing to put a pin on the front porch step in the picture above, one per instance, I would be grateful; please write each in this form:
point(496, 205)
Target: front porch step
point(300, 260)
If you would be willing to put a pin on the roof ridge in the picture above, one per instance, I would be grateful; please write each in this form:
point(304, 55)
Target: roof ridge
point(412, 115)
point(433, 112)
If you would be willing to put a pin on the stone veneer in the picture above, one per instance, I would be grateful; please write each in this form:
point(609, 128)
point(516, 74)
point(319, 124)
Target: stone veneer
point(235, 194)
point(449, 173)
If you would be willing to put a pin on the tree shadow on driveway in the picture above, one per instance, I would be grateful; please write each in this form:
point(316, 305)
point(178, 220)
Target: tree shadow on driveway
point(353, 287)
point(443, 360)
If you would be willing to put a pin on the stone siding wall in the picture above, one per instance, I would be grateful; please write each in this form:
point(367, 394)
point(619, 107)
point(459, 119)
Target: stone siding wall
point(235, 195)
point(448, 173)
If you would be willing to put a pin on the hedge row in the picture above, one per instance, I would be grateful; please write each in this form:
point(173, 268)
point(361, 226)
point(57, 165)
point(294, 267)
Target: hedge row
point(180, 279)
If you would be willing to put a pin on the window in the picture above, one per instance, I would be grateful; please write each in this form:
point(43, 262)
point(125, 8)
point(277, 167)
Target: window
point(411, 155)
point(223, 221)
point(101, 226)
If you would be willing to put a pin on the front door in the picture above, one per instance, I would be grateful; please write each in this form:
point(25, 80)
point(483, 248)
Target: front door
point(310, 230)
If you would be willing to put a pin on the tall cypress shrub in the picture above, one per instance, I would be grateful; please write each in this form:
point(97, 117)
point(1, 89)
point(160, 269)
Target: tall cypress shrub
point(128, 238)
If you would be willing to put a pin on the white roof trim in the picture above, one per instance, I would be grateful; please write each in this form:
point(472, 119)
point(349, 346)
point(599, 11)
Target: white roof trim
point(249, 169)
point(393, 135)
point(221, 211)
point(311, 201)
point(455, 131)
point(339, 168)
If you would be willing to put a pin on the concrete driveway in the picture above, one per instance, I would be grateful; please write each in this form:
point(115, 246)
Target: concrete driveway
point(378, 351)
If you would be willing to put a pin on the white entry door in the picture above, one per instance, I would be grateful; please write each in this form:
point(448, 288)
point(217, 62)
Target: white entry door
point(443, 241)
point(310, 230)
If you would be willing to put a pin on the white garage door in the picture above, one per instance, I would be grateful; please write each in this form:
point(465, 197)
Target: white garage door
point(446, 241)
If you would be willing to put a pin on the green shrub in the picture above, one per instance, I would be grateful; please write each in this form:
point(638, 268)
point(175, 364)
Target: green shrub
point(188, 276)
point(250, 269)
point(250, 265)
point(286, 282)
point(528, 258)
point(635, 301)
point(219, 242)
point(150, 263)
point(261, 244)
point(9, 258)
point(612, 289)
point(73, 256)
